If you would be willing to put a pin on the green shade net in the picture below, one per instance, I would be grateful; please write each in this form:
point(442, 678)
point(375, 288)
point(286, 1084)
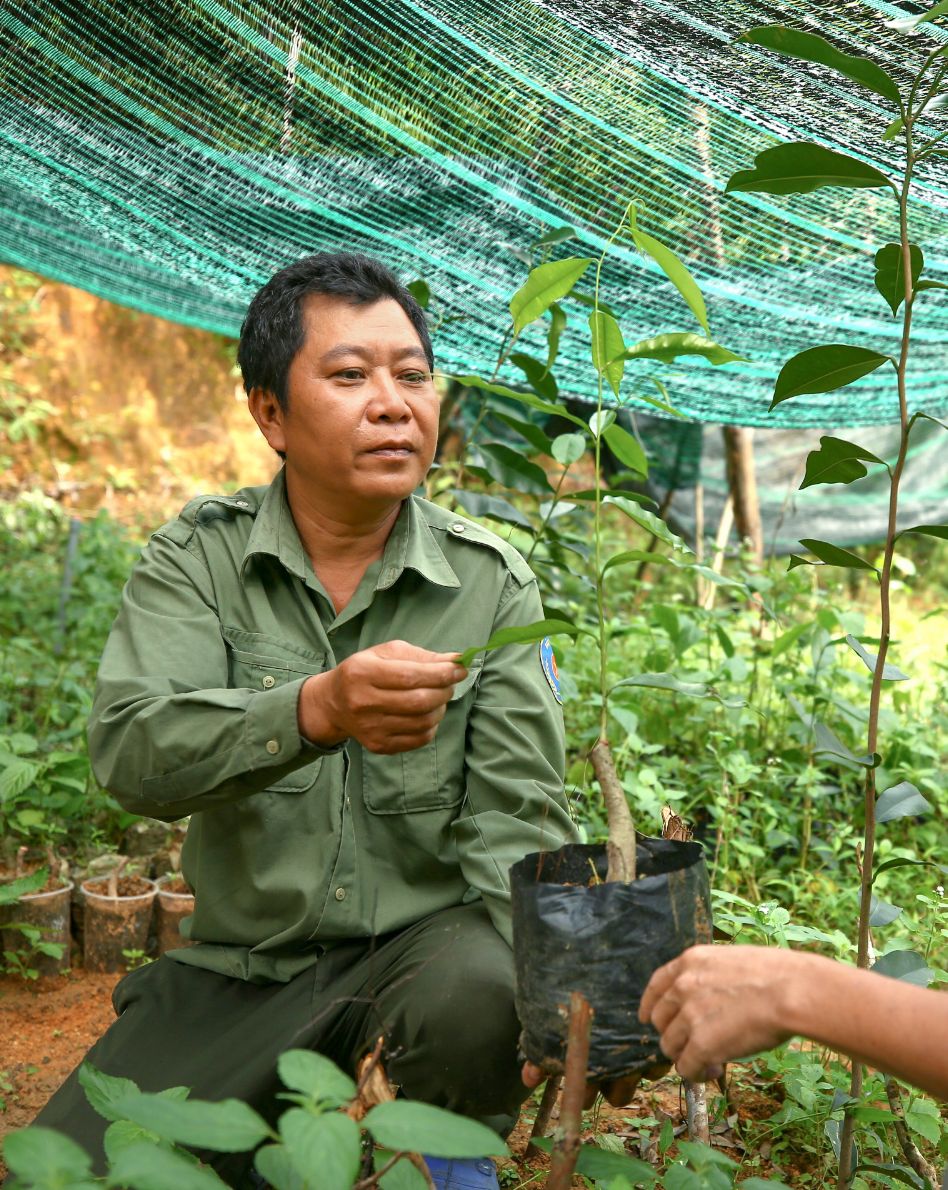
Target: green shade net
point(170, 157)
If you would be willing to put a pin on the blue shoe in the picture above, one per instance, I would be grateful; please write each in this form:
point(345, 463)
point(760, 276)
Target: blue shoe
point(454, 1174)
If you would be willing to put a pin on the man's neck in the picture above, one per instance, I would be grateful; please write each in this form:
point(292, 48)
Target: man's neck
point(341, 548)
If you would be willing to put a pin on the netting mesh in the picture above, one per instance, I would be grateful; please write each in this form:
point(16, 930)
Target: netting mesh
point(171, 157)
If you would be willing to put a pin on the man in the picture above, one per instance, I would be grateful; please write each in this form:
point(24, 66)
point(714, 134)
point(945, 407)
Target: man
point(284, 669)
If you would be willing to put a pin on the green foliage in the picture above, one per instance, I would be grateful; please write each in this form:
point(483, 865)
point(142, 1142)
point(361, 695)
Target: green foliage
point(801, 167)
point(316, 1145)
point(823, 369)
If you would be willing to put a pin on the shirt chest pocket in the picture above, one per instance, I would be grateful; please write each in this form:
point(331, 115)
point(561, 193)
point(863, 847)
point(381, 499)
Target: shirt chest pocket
point(426, 778)
point(260, 663)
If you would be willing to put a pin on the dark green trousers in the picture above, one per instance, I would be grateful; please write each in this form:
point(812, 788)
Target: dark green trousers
point(441, 993)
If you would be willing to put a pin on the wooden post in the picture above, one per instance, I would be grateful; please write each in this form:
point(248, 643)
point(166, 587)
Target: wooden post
point(742, 484)
point(566, 1137)
point(544, 1111)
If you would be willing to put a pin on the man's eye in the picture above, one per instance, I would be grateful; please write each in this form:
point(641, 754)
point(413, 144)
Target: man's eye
point(349, 374)
point(416, 377)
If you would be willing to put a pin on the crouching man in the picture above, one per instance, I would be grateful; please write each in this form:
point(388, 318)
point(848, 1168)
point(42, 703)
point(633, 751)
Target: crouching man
point(283, 669)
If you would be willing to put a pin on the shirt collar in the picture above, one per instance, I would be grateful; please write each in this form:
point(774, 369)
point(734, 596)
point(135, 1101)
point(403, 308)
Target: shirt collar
point(411, 544)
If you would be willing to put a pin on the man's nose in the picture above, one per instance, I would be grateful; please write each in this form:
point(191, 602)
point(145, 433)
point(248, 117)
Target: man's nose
point(388, 400)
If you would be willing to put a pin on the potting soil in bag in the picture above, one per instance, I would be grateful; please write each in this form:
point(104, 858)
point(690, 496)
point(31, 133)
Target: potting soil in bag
point(573, 932)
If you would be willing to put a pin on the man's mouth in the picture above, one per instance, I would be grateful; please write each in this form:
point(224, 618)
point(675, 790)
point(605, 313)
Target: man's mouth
point(392, 450)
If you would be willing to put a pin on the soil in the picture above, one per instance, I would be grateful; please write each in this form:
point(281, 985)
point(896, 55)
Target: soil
point(176, 884)
point(48, 1026)
point(128, 886)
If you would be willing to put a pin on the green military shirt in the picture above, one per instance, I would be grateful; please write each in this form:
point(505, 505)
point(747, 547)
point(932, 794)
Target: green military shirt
point(292, 847)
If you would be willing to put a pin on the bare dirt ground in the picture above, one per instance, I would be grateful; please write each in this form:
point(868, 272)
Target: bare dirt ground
point(47, 1026)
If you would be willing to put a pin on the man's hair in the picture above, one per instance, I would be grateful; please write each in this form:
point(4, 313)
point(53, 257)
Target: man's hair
point(273, 331)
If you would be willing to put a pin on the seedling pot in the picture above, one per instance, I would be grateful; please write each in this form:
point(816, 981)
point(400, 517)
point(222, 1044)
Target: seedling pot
point(114, 924)
point(49, 911)
point(572, 931)
point(175, 901)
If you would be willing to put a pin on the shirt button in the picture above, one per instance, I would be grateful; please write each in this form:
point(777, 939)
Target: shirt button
point(340, 894)
point(242, 503)
point(273, 747)
point(457, 528)
point(269, 682)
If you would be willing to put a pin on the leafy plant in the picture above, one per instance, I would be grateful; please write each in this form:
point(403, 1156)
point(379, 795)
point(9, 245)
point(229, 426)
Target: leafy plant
point(799, 168)
point(318, 1142)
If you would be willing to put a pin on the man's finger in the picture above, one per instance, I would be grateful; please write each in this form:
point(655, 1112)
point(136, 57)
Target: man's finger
point(531, 1075)
point(657, 986)
point(398, 674)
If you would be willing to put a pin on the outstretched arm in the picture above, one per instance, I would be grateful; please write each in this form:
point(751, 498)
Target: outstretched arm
point(715, 1003)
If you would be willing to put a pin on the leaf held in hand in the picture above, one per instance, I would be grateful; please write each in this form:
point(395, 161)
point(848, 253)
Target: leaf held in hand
point(524, 635)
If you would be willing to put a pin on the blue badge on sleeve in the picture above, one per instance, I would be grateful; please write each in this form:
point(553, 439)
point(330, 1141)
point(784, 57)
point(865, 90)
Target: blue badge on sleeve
point(550, 672)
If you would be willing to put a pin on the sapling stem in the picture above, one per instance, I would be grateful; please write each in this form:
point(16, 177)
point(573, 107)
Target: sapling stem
point(621, 845)
point(885, 582)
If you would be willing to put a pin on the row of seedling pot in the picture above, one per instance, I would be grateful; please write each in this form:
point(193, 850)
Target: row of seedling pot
point(117, 917)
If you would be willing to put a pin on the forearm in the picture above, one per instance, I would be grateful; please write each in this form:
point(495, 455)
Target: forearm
point(886, 1023)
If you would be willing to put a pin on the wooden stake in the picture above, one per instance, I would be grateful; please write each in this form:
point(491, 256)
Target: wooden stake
point(566, 1137)
point(544, 1111)
point(742, 482)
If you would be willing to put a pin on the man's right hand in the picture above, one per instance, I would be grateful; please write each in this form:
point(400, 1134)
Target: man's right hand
point(389, 698)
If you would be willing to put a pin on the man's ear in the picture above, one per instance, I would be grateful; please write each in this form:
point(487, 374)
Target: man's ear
point(268, 413)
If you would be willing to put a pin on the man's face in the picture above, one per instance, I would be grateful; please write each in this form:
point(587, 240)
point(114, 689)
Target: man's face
point(362, 420)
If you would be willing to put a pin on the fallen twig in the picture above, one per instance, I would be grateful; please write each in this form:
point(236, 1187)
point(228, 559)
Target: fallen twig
point(544, 1111)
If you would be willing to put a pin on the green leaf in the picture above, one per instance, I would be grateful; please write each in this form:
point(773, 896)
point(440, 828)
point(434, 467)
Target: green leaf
point(908, 24)
point(822, 369)
point(22, 886)
point(568, 448)
point(802, 166)
point(538, 375)
point(545, 285)
point(273, 1164)
point(46, 1159)
point(480, 505)
point(501, 390)
point(788, 639)
point(16, 778)
point(122, 1134)
point(600, 1165)
point(607, 346)
point(673, 268)
point(893, 129)
point(923, 1117)
point(890, 274)
point(837, 461)
point(228, 1126)
point(663, 404)
point(923, 285)
point(648, 520)
point(556, 235)
point(667, 681)
point(629, 556)
point(828, 743)
point(905, 965)
point(881, 913)
point(420, 291)
point(509, 467)
point(890, 673)
point(900, 801)
point(834, 555)
point(928, 531)
point(590, 300)
point(903, 862)
point(528, 431)
point(402, 1176)
point(588, 495)
point(669, 347)
point(147, 1167)
point(315, 1076)
point(811, 48)
point(601, 420)
point(554, 334)
point(105, 1090)
point(324, 1150)
point(421, 1128)
point(626, 449)
point(518, 636)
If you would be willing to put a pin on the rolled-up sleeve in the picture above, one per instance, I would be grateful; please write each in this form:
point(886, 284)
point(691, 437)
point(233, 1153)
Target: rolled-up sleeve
point(515, 759)
point(168, 735)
